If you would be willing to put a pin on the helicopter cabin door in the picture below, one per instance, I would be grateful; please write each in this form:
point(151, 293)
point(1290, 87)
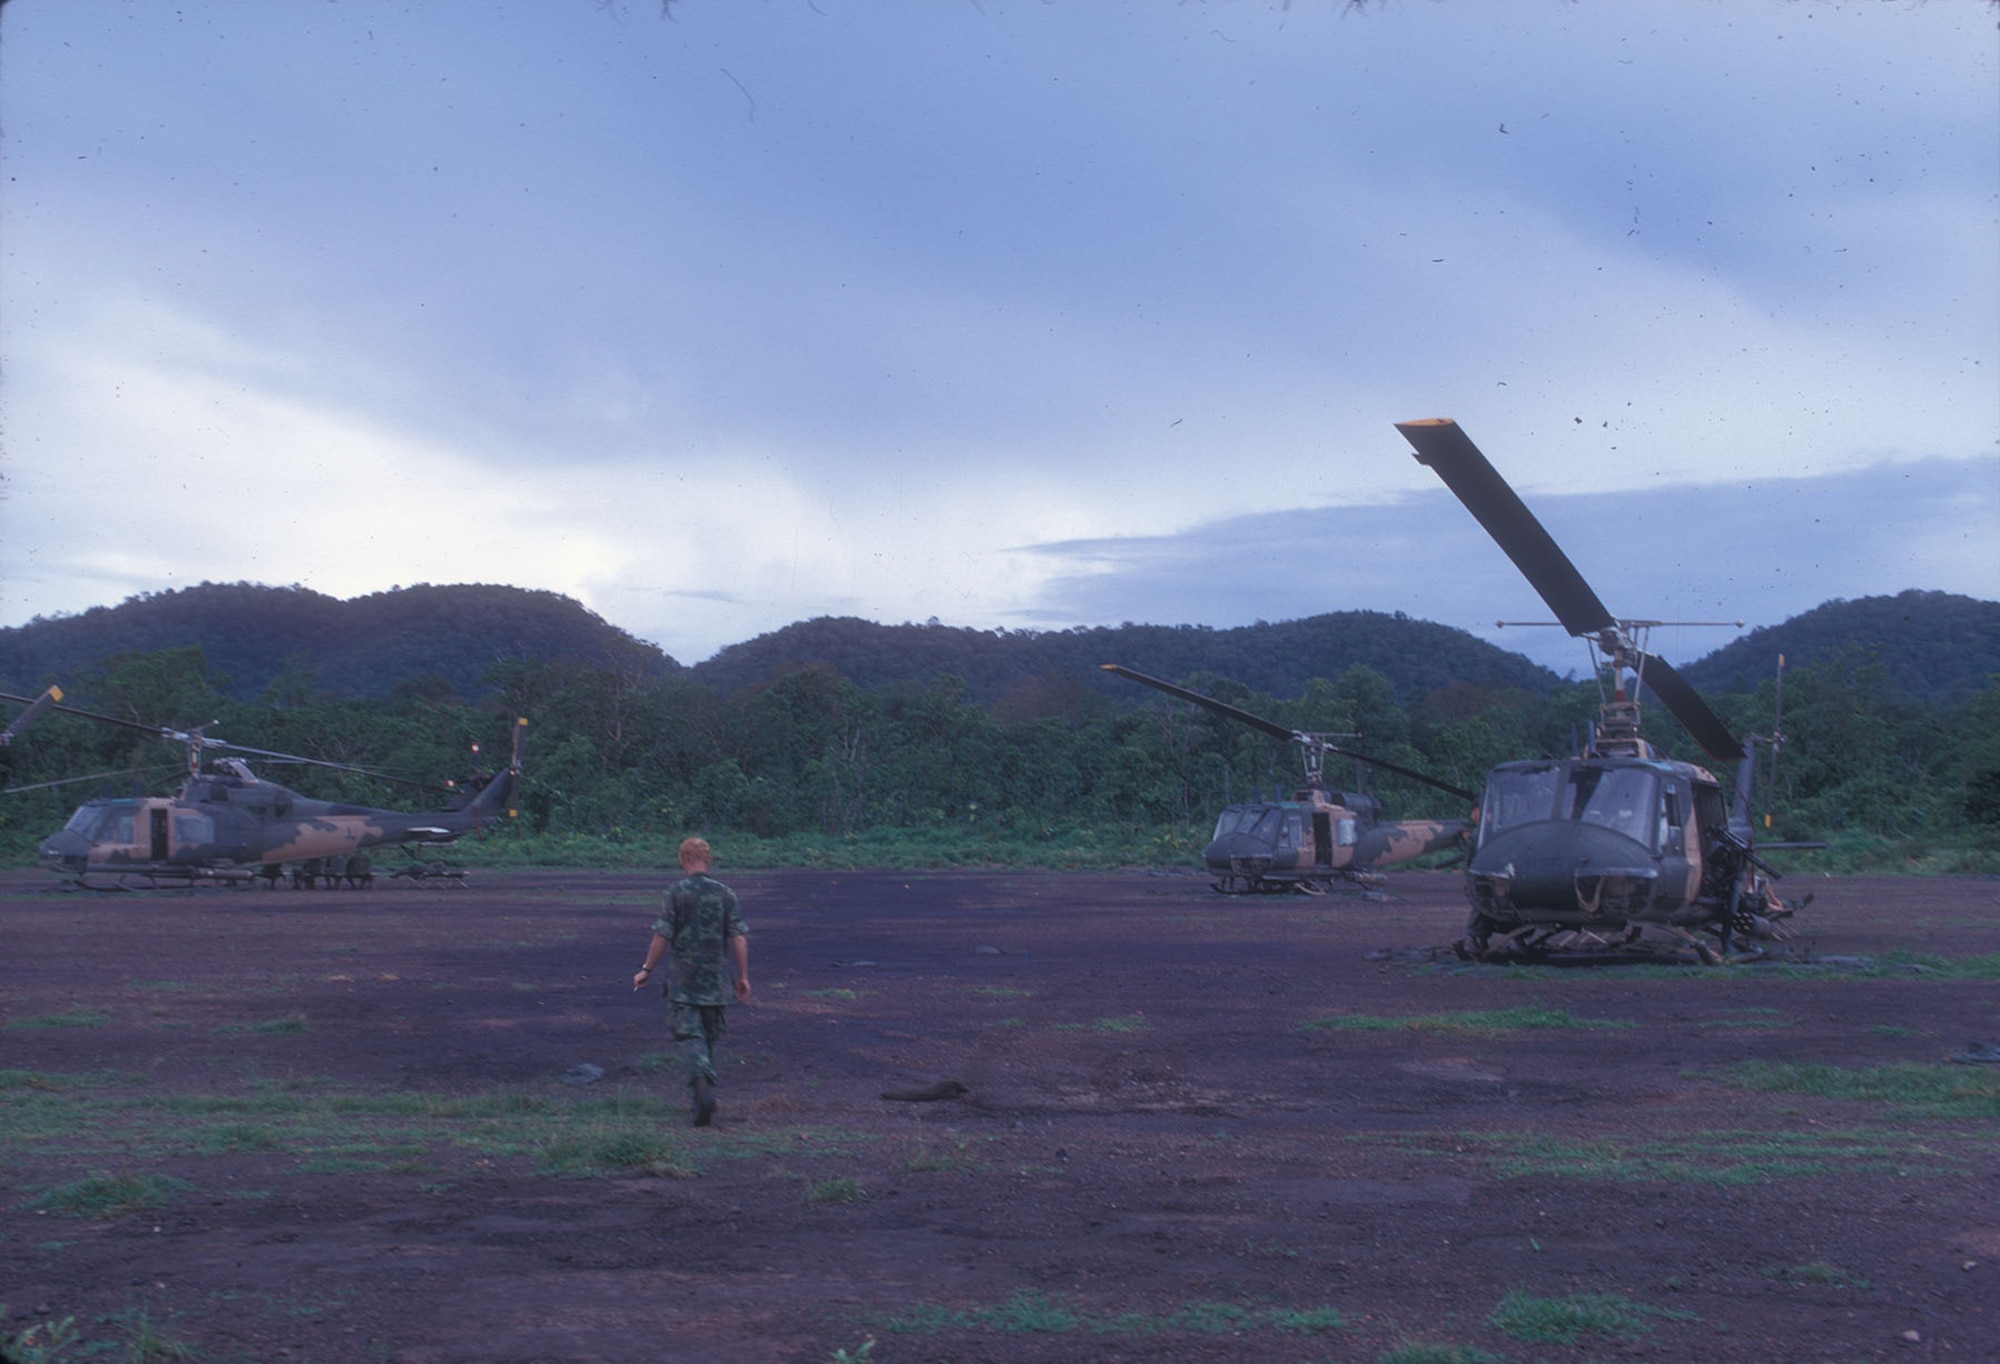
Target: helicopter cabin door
point(158, 821)
point(1322, 838)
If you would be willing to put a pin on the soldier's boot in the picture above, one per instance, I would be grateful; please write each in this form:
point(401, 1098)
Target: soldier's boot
point(704, 1101)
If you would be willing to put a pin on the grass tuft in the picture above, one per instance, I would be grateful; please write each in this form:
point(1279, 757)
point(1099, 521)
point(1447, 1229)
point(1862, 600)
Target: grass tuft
point(1564, 1321)
point(1423, 1352)
point(839, 1189)
point(1937, 1091)
point(612, 1151)
point(1471, 1021)
point(106, 1196)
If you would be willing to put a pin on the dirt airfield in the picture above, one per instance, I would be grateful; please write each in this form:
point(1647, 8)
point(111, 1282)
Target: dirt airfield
point(433, 1125)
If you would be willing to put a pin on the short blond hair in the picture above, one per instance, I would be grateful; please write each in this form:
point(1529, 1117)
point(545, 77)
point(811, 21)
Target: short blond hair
point(695, 850)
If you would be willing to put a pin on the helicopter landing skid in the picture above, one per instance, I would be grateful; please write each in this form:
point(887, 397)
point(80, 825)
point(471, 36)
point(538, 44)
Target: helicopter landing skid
point(1535, 945)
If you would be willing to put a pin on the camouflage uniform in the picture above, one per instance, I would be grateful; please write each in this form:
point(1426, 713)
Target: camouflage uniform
point(698, 920)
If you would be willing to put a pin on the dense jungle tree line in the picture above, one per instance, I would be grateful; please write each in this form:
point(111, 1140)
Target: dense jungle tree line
point(622, 760)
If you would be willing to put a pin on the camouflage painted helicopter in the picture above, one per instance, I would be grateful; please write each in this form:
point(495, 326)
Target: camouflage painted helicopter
point(1321, 835)
point(226, 825)
point(1590, 851)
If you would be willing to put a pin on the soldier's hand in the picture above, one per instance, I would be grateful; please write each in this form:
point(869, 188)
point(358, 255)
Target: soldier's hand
point(743, 989)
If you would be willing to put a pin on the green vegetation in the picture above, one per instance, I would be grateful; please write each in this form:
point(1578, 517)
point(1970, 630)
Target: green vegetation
point(1474, 1021)
point(78, 1018)
point(1420, 1352)
point(103, 1197)
point(104, 1118)
point(838, 1189)
point(1708, 1157)
point(1933, 1091)
point(927, 747)
point(1817, 1272)
point(1564, 1321)
point(1029, 1312)
point(291, 1024)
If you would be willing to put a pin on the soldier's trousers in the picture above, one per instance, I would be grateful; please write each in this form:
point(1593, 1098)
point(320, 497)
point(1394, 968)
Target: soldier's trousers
point(697, 1028)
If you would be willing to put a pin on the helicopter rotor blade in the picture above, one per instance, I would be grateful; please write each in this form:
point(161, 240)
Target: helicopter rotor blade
point(1273, 728)
point(94, 776)
point(34, 712)
point(1686, 705)
point(1441, 444)
point(1409, 772)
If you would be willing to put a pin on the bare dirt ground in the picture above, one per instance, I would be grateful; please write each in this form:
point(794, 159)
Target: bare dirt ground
point(1159, 1155)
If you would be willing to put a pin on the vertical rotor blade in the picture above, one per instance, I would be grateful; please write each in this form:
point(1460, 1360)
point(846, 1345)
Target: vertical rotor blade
point(34, 712)
point(1686, 705)
point(1449, 452)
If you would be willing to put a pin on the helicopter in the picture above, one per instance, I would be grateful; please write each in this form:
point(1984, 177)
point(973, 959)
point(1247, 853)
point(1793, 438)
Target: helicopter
point(1588, 852)
point(1321, 835)
point(228, 826)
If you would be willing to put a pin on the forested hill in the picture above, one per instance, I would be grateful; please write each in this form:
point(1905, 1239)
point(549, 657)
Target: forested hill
point(1933, 645)
point(368, 646)
point(1416, 656)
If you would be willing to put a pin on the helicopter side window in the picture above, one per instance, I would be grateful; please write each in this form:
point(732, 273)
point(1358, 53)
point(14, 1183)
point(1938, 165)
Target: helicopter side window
point(1295, 830)
point(193, 829)
point(1266, 826)
point(115, 827)
point(1617, 798)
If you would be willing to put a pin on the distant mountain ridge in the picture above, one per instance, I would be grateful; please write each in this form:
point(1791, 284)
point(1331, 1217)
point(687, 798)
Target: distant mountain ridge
point(1278, 659)
point(1932, 644)
point(250, 634)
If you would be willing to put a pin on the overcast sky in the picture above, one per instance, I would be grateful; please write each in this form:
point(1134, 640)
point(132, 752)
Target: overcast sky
point(1008, 314)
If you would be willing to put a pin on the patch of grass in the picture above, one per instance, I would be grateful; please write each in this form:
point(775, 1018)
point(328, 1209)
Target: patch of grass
point(835, 993)
point(1817, 1272)
point(656, 1063)
point(290, 1024)
point(46, 1342)
point(1936, 1091)
point(76, 1018)
point(1898, 1030)
point(1306, 1321)
point(1002, 992)
point(1706, 1157)
point(1423, 1352)
point(838, 1189)
point(103, 1197)
point(1031, 1312)
point(1028, 1312)
point(1749, 1018)
point(614, 1151)
point(1564, 1321)
point(28, 1079)
point(925, 1319)
point(924, 1160)
point(242, 1136)
point(145, 1341)
point(1471, 1021)
point(1123, 1023)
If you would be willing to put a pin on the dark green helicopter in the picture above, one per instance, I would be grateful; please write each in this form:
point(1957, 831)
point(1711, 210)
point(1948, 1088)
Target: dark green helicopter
point(226, 825)
point(1320, 836)
point(1588, 852)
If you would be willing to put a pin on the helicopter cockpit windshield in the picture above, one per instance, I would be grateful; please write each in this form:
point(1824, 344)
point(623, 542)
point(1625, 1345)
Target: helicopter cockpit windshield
point(1621, 799)
point(1518, 795)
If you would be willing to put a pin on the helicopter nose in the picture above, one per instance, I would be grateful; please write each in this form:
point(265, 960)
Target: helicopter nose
point(65, 850)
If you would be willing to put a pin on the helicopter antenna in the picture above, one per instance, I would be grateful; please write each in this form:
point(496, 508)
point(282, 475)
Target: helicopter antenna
point(1450, 453)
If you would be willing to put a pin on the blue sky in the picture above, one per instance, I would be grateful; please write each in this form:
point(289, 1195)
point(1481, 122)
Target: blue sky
point(1008, 314)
